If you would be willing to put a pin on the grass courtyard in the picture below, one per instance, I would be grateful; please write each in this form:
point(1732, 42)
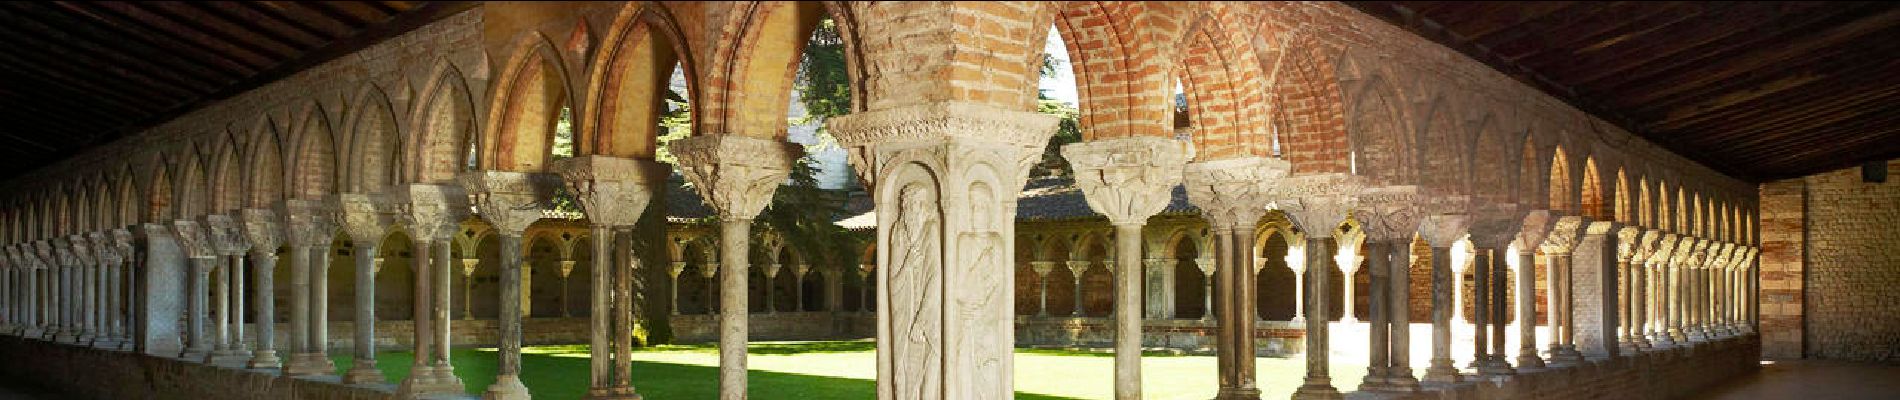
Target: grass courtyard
point(847, 370)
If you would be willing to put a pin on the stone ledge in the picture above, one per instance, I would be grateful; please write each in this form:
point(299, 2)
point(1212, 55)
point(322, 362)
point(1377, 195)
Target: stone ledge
point(87, 373)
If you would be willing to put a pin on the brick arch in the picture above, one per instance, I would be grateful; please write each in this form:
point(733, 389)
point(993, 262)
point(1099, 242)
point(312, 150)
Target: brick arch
point(78, 202)
point(1443, 146)
point(441, 128)
point(527, 99)
point(158, 195)
point(1591, 193)
point(264, 176)
point(1221, 78)
point(1492, 171)
point(990, 60)
point(227, 190)
point(1311, 94)
point(1685, 216)
point(99, 202)
point(1645, 212)
point(127, 200)
point(1099, 38)
point(375, 144)
point(628, 79)
point(1382, 147)
point(1533, 178)
point(1561, 197)
point(747, 79)
point(313, 172)
point(194, 185)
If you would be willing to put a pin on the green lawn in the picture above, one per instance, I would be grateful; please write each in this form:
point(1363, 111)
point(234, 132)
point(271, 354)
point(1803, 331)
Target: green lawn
point(846, 370)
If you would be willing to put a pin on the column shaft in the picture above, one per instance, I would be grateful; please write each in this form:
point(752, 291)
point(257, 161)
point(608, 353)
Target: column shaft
point(363, 364)
point(1527, 309)
point(420, 314)
point(1127, 312)
point(508, 366)
point(1378, 324)
point(1442, 370)
point(1400, 254)
point(1318, 383)
point(264, 296)
point(733, 329)
point(600, 360)
point(443, 271)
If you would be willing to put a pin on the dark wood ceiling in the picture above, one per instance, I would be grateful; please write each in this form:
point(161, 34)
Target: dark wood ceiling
point(1757, 90)
point(75, 74)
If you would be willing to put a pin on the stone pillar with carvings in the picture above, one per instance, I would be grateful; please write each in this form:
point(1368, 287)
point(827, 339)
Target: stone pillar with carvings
point(673, 289)
point(736, 175)
point(509, 201)
point(227, 240)
point(1317, 204)
point(1639, 320)
point(1532, 233)
point(1687, 266)
point(1493, 227)
point(366, 219)
point(1232, 194)
point(263, 235)
point(1128, 179)
point(85, 268)
point(1441, 230)
point(433, 213)
point(311, 232)
point(614, 192)
point(1558, 245)
point(945, 177)
point(1042, 270)
point(1076, 270)
point(1390, 217)
point(197, 246)
point(1666, 333)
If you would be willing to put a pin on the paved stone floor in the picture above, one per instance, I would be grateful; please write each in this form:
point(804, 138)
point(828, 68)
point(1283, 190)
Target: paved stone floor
point(1812, 380)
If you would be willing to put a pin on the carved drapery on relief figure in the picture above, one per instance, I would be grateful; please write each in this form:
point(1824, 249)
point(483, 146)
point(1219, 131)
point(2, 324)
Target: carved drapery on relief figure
point(979, 249)
point(915, 303)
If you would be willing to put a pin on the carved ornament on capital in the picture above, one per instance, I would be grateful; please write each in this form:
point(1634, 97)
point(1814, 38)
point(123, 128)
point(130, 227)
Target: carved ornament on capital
point(263, 229)
point(193, 239)
point(1563, 235)
point(613, 191)
point(1665, 248)
point(1646, 245)
point(1537, 225)
point(432, 211)
point(1233, 192)
point(365, 217)
point(1495, 225)
point(307, 223)
point(1128, 179)
point(875, 139)
point(227, 238)
point(1318, 203)
point(103, 249)
point(508, 200)
point(1391, 213)
point(122, 239)
point(736, 175)
point(1628, 241)
point(79, 251)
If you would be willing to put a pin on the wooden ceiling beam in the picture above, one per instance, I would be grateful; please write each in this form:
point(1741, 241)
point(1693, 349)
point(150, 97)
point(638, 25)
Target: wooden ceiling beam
point(1594, 26)
point(138, 73)
point(232, 61)
point(265, 57)
point(137, 50)
point(276, 15)
point(224, 31)
point(1757, 58)
point(256, 22)
point(1799, 98)
point(303, 14)
point(1693, 42)
point(10, 62)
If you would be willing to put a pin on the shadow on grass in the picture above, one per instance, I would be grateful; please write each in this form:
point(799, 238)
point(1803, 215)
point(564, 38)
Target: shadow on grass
point(555, 372)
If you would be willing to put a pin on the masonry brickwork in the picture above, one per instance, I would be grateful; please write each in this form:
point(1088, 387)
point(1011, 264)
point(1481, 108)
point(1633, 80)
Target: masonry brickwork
point(1830, 259)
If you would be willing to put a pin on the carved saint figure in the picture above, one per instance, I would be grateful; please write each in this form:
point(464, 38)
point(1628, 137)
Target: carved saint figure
point(914, 293)
point(982, 300)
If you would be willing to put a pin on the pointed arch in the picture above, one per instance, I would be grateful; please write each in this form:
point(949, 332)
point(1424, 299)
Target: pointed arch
point(1443, 146)
point(1561, 197)
point(1491, 174)
point(264, 179)
point(1645, 205)
point(194, 185)
point(626, 89)
point(1590, 193)
point(746, 92)
point(1093, 67)
point(1533, 180)
point(1317, 140)
point(313, 172)
point(1382, 149)
point(129, 204)
point(527, 101)
point(442, 128)
point(375, 149)
point(158, 197)
point(227, 190)
point(1219, 76)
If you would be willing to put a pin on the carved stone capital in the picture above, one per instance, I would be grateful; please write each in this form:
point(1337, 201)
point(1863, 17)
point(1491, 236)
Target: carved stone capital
point(1665, 249)
point(308, 223)
point(875, 138)
point(81, 250)
point(675, 269)
point(1495, 225)
point(1537, 224)
point(1646, 245)
point(1206, 265)
point(263, 229)
point(509, 201)
point(613, 191)
point(193, 239)
point(47, 257)
point(1042, 268)
point(1078, 268)
point(567, 268)
point(1233, 193)
point(1318, 203)
point(225, 235)
point(709, 270)
point(1128, 179)
point(1563, 235)
point(799, 270)
point(431, 211)
point(103, 249)
point(1391, 213)
point(1689, 251)
point(735, 175)
point(771, 270)
point(365, 217)
point(122, 239)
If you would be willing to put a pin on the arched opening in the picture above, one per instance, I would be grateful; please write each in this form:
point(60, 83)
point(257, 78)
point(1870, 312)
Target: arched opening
point(544, 278)
point(315, 172)
point(482, 285)
point(1444, 152)
point(445, 128)
point(1276, 282)
point(1190, 284)
point(577, 290)
point(396, 278)
point(1590, 196)
point(375, 146)
point(1562, 197)
point(1098, 283)
point(527, 114)
point(1491, 173)
point(266, 166)
point(1381, 150)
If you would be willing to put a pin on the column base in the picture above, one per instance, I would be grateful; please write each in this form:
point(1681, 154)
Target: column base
point(1375, 379)
point(1239, 394)
point(422, 381)
point(506, 387)
point(1496, 366)
point(1401, 381)
point(1697, 336)
point(362, 372)
point(611, 393)
point(309, 364)
point(1565, 356)
point(1659, 340)
point(1442, 371)
point(66, 337)
point(1316, 391)
point(30, 333)
point(196, 355)
point(266, 359)
point(445, 376)
point(228, 358)
point(1527, 358)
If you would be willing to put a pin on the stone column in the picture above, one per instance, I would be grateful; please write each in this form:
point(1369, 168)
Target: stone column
point(263, 236)
point(567, 271)
point(228, 240)
point(1535, 227)
point(709, 271)
point(1494, 226)
point(468, 287)
point(1128, 179)
point(366, 218)
point(614, 192)
point(1393, 215)
point(68, 330)
point(945, 176)
point(673, 289)
point(84, 270)
point(1232, 194)
point(1689, 266)
point(509, 201)
point(1441, 230)
point(737, 176)
point(1076, 269)
point(1640, 322)
point(1558, 246)
point(1348, 257)
point(197, 245)
point(864, 286)
point(1296, 260)
point(771, 282)
point(1159, 287)
point(1317, 204)
point(431, 213)
point(798, 286)
point(1666, 333)
point(8, 300)
point(443, 269)
point(1042, 269)
point(1207, 267)
point(310, 232)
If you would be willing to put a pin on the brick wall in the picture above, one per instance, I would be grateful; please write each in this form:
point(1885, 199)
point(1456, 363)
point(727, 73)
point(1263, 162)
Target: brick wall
point(1783, 229)
point(1850, 257)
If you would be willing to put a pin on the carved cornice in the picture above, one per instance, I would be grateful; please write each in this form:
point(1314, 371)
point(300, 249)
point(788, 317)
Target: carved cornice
point(1563, 235)
point(432, 211)
point(735, 175)
point(1627, 240)
point(867, 135)
point(1318, 203)
point(613, 191)
point(1391, 213)
point(1128, 179)
point(192, 239)
point(508, 200)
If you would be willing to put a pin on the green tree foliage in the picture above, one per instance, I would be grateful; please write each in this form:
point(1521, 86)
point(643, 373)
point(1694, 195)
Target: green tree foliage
point(802, 212)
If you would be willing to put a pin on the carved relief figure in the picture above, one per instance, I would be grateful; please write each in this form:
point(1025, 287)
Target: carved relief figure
point(983, 296)
point(915, 294)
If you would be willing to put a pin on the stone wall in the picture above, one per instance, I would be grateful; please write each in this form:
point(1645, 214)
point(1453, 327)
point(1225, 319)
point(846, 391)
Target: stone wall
point(1848, 261)
point(1783, 255)
point(399, 335)
point(1655, 374)
point(87, 373)
point(1272, 338)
